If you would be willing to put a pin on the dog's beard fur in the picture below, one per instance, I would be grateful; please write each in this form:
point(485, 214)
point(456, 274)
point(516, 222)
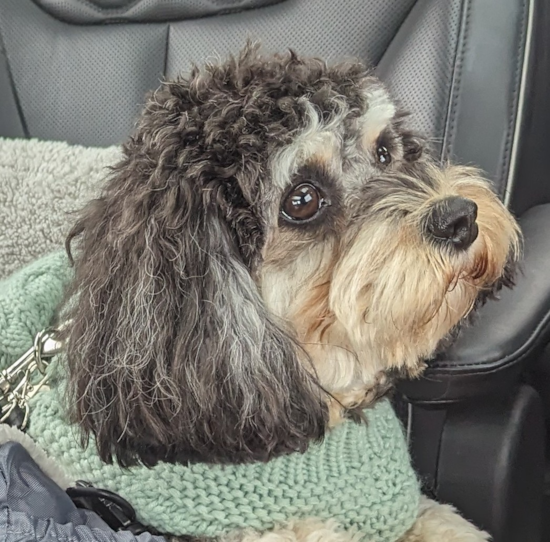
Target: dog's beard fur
point(382, 295)
point(206, 326)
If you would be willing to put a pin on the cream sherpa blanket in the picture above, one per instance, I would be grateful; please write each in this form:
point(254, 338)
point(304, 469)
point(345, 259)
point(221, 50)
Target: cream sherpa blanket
point(41, 184)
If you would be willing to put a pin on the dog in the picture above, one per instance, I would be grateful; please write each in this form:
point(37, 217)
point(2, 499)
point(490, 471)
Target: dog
point(274, 245)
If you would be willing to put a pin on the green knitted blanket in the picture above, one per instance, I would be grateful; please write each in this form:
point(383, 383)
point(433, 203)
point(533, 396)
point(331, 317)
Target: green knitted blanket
point(359, 476)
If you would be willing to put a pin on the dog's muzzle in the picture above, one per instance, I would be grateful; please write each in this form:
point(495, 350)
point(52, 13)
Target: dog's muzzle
point(453, 222)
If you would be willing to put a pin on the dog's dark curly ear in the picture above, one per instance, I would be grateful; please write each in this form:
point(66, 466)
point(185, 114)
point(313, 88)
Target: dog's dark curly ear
point(171, 353)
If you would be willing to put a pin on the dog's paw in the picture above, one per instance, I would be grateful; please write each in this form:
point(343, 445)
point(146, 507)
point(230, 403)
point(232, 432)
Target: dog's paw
point(442, 523)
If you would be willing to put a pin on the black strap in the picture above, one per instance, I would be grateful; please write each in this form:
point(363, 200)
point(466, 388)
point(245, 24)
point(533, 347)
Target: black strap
point(115, 511)
point(16, 416)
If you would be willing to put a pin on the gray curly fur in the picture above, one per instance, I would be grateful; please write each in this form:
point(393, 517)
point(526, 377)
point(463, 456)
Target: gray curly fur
point(171, 353)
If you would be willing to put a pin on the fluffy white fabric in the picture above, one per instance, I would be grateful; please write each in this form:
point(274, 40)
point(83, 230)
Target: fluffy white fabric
point(41, 184)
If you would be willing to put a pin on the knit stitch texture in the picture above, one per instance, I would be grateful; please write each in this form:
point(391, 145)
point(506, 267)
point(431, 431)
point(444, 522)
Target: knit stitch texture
point(360, 475)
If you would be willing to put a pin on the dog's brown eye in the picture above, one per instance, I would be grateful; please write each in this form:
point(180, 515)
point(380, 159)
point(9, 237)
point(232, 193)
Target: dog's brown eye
point(384, 156)
point(303, 203)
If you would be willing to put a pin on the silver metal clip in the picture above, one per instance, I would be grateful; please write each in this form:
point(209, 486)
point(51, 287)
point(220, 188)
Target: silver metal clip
point(16, 382)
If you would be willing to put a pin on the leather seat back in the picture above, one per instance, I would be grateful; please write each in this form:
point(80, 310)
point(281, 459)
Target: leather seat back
point(78, 71)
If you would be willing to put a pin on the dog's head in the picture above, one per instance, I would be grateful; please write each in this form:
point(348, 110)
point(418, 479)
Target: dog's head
point(271, 233)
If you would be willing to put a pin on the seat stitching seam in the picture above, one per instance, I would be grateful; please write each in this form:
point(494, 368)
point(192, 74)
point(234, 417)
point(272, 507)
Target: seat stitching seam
point(457, 80)
point(167, 46)
point(122, 12)
point(12, 86)
point(514, 105)
point(399, 26)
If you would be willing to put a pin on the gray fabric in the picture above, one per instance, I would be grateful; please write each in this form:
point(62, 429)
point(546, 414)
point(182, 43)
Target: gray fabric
point(11, 122)
point(79, 84)
point(41, 184)
point(100, 11)
point(484, 99)
point(418, 65)
point(85, 84)
point(314, 27)
point(33, 507)
point(455, 64)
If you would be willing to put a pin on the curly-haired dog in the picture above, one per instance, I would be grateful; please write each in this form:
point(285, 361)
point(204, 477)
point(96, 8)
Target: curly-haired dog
point(272, 245)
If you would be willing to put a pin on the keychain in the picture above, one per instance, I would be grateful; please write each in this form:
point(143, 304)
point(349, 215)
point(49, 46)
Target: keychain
point(16, 386)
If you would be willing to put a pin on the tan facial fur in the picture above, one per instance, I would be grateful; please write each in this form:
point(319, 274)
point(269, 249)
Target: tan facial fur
point(372, 292)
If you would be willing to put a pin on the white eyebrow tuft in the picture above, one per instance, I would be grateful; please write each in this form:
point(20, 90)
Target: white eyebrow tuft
point(380, 112)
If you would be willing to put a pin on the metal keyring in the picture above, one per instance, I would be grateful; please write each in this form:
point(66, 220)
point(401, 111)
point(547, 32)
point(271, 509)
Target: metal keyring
point(45, 346)
point(38, 349)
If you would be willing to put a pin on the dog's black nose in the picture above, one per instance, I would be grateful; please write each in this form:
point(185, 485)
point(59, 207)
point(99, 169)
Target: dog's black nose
point(454, 219)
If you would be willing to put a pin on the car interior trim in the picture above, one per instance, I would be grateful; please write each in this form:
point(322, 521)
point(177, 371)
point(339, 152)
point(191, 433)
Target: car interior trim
point(510, 179)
